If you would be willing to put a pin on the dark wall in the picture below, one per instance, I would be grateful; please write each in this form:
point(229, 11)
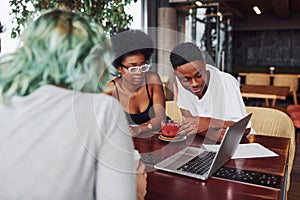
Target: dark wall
point(257, 50)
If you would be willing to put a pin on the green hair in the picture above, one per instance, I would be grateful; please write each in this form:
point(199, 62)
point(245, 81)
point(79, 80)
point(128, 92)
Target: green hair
point(59, 48)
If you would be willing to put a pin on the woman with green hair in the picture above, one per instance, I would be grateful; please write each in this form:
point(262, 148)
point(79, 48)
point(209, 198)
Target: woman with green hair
point(60, 138)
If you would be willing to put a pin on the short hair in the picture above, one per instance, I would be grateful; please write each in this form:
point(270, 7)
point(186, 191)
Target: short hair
point(59, 48)
point(185, 53)
point(131, 42)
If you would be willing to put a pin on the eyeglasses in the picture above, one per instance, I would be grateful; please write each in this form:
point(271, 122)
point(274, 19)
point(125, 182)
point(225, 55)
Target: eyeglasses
point(136, 69)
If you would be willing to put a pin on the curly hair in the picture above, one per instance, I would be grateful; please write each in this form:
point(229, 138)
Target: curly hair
point(185, 53)
point(59, 48)
point(129, 43)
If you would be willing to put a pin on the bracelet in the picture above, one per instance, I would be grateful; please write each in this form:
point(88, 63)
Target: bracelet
point(149, 126)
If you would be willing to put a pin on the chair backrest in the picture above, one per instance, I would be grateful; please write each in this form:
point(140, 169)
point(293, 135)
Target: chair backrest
point(257, 79)
point(272, 122)
point(173, 111)
point(286, 80)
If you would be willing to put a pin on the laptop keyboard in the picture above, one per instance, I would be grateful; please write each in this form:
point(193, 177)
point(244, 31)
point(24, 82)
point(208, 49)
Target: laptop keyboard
point(251, 177)
point(200, 164)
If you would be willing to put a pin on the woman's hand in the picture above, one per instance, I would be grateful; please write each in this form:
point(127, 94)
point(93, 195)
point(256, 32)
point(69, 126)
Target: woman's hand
point(135, 130)
point(141, 181)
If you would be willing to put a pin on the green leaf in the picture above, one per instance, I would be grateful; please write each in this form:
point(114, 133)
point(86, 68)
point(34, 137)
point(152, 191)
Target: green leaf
point(110, 13)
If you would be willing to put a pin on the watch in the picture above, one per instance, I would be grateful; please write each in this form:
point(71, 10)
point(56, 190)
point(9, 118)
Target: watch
point(149, 125)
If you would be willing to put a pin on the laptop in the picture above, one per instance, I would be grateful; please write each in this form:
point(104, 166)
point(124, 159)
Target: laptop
point(202, 162)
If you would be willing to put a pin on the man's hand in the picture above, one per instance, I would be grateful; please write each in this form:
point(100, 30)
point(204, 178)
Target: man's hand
point(214, 129)
point(189, 126)
point(216, 134)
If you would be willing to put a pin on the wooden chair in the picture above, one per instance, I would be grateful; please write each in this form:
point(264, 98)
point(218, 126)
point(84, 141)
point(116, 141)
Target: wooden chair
point(258, 79)
point(173, 111)
point(287, 80)
point(272, 122)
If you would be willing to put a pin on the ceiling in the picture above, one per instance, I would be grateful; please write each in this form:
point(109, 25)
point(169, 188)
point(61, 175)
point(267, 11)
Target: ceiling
point(276, 14)
point(243, 9)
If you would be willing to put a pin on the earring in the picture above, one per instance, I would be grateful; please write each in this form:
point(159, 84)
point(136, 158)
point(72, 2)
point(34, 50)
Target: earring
point(119, 75)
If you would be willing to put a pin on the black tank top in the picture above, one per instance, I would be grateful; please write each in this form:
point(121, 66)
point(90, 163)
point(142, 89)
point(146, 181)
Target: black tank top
point(141, 117)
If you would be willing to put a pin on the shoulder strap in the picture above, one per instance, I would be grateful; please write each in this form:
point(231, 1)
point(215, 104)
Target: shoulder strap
point(147, 87)
point(114, 82)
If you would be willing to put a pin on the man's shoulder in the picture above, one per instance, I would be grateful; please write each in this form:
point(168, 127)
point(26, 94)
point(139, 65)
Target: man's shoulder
point(220, 76)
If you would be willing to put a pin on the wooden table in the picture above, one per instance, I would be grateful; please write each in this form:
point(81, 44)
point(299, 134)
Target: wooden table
point(265, 92)
point(169, 186)
point(271, 75)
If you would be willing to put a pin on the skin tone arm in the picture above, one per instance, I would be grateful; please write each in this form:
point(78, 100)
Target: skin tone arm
point(158, 98)
point(141, 181)
point(193, 124)
point(109, 89)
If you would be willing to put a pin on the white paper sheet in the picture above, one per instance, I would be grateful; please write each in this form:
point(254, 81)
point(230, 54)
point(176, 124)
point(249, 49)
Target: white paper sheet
point(252, 150)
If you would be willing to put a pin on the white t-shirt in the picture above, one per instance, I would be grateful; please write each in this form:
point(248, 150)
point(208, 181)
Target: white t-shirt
point(60, 144)
point(222, 99)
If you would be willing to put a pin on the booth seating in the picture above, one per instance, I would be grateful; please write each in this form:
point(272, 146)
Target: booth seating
point(294, 113)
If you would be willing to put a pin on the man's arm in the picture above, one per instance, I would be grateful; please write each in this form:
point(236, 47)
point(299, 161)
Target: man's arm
point(200, 125)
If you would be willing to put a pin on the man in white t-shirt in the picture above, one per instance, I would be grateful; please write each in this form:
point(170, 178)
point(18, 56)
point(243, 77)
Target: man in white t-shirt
point(208, 98)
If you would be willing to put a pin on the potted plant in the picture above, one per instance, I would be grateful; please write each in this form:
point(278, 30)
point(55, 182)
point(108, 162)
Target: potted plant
point(110, 13)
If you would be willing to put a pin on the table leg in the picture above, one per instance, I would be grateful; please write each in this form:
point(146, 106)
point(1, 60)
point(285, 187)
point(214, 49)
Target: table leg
point(273, 102)
point(267, 102)
point(295, 97)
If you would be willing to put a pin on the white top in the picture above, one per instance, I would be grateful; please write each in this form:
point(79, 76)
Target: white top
point(59, 144)
point(222, 99)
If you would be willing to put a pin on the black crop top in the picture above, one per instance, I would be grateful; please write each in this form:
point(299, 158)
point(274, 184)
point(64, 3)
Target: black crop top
point(141, 117)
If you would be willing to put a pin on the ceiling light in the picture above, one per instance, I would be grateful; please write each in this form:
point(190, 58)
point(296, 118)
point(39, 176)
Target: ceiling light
point(257, 10)
point(198, 3)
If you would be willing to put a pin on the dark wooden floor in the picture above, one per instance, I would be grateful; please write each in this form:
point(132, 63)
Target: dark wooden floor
point(294, 192)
